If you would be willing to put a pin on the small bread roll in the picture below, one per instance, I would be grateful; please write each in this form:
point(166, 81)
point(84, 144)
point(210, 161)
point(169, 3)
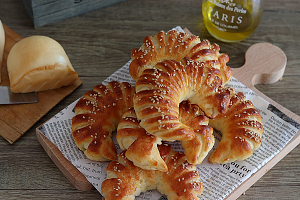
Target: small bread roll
point(39, 63)
point(2, 42)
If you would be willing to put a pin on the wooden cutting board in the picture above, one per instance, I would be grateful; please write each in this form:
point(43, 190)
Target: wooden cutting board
point(265, 64)
point(15, 120)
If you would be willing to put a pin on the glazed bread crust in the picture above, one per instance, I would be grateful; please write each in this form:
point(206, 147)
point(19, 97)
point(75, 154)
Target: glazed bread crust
point(97, 115)
point(174, 45)
point(142, 148)
point(160, 90)
point(126, 181)
point(198, 148)
point(241, 130)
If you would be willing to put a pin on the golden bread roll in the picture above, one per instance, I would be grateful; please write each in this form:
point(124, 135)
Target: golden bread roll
point(2, 43)
point(142, 148)
point(39, 63)
point(173, 45)
point(160, 90)
point(241, 130)
point(126, 181)
point(198, 148)
point(182, 180)
point(97, 115)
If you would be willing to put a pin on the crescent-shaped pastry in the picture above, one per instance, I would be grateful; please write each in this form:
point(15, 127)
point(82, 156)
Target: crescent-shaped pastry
point(126, 181)
point(160, 90)
point(198, 148)
point(173, 45)
point(142, 148)
point(97, 115)
point(241, 131)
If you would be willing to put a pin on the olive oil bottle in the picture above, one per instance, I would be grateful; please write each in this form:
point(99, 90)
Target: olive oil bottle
point(231, 20)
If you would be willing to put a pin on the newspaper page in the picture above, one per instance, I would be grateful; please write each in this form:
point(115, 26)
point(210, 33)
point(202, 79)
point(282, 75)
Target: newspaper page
point(219, 180)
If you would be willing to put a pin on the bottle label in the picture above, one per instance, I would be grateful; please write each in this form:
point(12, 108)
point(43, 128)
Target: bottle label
point(229, 16)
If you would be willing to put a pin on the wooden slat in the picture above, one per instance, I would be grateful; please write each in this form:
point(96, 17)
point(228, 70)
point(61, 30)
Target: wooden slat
point(49, 11)
point(66, 167)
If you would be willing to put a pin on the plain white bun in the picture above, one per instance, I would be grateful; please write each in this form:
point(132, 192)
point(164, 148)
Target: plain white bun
point(2, 42)
point(39, 63)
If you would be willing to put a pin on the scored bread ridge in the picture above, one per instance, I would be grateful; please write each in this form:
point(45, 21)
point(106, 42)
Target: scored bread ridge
point(126, 181)
point(160, 90)
point(142, 148)
point(241, 130)
point(198, 148)
point(174, 45)
point(97, 115)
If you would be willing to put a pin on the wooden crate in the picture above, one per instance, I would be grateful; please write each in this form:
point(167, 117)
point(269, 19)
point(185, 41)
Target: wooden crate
point(43, 12)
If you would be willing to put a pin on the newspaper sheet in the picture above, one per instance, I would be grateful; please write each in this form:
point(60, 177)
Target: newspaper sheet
point(219, 180)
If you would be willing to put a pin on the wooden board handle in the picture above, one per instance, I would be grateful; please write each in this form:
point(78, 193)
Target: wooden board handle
point(264, 64)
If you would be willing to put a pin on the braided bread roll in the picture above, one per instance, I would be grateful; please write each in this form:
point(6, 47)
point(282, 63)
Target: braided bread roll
point(160, 90)
point(125, 180)
point(196, 149)
point(174, 45)
point(97, 115)
point(241, 130)
point(142, 148)
point(182, 181)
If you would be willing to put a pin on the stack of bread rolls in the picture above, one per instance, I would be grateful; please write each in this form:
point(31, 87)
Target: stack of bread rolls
point(180, 94)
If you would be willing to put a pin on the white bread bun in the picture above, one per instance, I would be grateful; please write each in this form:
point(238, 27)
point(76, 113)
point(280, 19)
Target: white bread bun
point(2, 42)
point(39, 63)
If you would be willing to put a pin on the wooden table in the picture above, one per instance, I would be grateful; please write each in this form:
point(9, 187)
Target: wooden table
point(100, 42)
